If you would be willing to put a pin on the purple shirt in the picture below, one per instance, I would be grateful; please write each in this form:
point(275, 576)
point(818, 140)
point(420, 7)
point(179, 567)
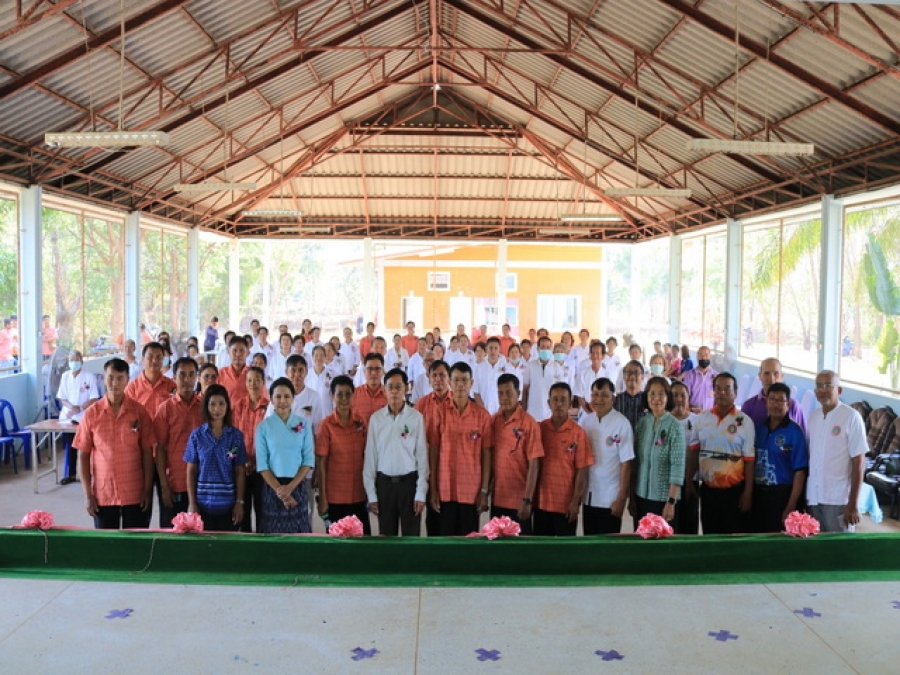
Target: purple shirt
point(701, 387)
point(755, 409)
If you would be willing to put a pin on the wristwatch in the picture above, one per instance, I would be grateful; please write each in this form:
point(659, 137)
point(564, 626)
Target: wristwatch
point(671, 500)
point(485, 492)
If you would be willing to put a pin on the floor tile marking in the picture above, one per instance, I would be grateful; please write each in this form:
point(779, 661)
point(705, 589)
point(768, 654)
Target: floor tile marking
point(359, 653)
point(488, 654)
point(807, 612)
point(723, 636)
point(611, 655)
point(119, 613)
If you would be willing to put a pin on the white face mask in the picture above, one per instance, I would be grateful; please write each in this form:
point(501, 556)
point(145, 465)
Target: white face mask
point(74, 366)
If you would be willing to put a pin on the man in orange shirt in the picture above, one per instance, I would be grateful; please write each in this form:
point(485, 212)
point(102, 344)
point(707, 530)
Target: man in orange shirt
point(234, 376)
point(247, 413)
point(506, 339)
point(151, 388)
point(410, 342)
point(430, 406)
point(365, 342)
point(517, 455)
point(370, 396)
point(340, 451)
point(461, 462)
point(564, 469)
point(115, 455)
point(175, 419)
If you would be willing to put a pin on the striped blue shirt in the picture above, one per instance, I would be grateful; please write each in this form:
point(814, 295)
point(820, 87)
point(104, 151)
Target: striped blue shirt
point(216, 459)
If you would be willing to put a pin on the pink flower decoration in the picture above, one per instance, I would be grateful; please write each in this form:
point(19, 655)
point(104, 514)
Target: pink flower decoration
point(38, 520)
point(350, 526)
point(801, 525)
point(504, 526)
point(653, 526)
point(187, 522)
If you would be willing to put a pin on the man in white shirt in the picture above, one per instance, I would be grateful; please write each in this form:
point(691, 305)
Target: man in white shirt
point(540, 375)
point(397, 357)
point(465, 354)
point(451, 356)
point(379, 346)
point(837, 449)
point(307, 403)
point(588, 372)
point(416, 365)
point(223, 356)
point(421, 387)
point(582, 351)
point(349, 352)
point(313, 341)
point(609, 479)
point(486, 374)
point(261, 345)
point(395, 470)
point(78, 391)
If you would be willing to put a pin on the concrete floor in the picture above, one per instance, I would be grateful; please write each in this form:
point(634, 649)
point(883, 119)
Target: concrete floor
point(81, 627)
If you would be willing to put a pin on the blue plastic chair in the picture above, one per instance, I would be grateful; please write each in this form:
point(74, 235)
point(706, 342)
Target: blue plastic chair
point(12, 431)
point(8, 451)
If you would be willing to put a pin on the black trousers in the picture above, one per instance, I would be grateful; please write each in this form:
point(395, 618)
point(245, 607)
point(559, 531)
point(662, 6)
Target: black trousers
point(166, 513)
point(432, 519)
point(549, 524)
point(687, 515)
point(598, 520)
point(359, 509)
point(218, 522)
point(719, 510)
point(396, 502)
point(769, 502)
point(125, 517)
point(513, 514)
point(252, 502)
point(458, 520)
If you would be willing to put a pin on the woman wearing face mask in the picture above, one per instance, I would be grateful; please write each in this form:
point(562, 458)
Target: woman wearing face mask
point(78, 391)
point(165, 341)
point(515, 364)
point(657, 368)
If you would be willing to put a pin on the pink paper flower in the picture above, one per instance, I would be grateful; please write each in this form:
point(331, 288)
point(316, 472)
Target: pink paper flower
point(38, 520)
point(504, 526)
point(350, 526)
point(653, 526)
point(187, 522)
point(801, 525)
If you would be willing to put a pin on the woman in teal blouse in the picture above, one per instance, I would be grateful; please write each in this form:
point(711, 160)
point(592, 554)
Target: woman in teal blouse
point(660, 453)
point(284, 455)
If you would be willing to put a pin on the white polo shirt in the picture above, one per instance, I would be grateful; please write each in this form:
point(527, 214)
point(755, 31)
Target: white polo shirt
point(539, 378)
point(585, 377)
point(834, 439)
point(395, 446)
point(612, 442)
point(77, 390)
point(486, 376)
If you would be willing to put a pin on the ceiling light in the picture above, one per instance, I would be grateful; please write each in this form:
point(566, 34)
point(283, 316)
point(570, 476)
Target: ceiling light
point(749, 147)
point(592, 218)
point(575, 231)
point(212, 186)
point(106, 139)
point(647, 192)
point(304, 230)
point(273, 213)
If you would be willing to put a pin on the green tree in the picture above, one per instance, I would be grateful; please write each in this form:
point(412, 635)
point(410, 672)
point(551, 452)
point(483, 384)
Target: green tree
point(9, 258)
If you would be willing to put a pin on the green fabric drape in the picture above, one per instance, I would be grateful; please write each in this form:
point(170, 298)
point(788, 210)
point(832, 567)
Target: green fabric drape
point(157, 557)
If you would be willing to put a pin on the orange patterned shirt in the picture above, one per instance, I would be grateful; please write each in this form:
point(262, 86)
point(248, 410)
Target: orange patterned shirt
point(365, 403)
point(463, 438)
point(247, 418)
point(345, 448)
point(116, 444)
point(566, 450)
point(517, 441)
point(151, 396)
point(235, 383)
point(430, 406)
point(174, 421)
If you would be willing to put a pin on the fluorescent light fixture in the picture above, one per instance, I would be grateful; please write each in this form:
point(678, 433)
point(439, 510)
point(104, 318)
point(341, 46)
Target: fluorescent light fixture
point(273, 213)
point(592, 218)
point(749, 147)
point(575, 231)
point(212, 186)
point(304, 230)
point(106, 139)
point(647, 192)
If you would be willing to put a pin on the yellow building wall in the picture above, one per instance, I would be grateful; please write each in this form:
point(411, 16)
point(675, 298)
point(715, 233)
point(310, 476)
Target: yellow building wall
point(541, 270)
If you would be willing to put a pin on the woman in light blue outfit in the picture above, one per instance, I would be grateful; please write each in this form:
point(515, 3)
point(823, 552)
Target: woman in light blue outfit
point(284, 456)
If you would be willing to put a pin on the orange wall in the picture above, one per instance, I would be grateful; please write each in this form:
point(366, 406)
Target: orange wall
point(565, 270)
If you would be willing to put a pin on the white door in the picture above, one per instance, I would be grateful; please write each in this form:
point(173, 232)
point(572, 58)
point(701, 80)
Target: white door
point(412, 308)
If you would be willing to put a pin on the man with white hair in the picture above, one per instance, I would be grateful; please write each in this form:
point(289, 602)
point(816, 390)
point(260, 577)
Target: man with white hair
point(837, 449)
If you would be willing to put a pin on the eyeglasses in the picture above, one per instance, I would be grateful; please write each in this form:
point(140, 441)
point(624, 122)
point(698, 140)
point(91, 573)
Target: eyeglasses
point(779, 401)
point(824, 387)
point(374, 369)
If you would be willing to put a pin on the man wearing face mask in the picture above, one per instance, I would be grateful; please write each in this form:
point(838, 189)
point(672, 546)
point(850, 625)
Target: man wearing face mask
point(548, 369)
point(700, 381)
point(78, 391)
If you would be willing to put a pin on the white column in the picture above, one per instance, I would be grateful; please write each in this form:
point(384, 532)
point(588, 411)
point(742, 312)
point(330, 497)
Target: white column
point(193, 299)
point(266, 313)
point(30, 354)
point(674, 289)
point(368, 283)
point(234, 287)
point(830, 274)
point(733, 289)
point(132, 277)
point(502, 249)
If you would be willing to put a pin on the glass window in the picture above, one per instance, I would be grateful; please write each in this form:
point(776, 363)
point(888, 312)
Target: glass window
point(870, 302)
point(83, 278)
point(559, 312)
point(9, 282)
point(214, 278)
point(703, 263)
point(164, 281)
point(780, 292)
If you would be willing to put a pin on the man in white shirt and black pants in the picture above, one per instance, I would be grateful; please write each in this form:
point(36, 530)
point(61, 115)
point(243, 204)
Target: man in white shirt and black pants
point(395, 472)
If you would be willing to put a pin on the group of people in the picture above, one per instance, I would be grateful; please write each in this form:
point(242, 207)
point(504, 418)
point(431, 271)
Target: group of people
point(545, 433)
point(9, 342)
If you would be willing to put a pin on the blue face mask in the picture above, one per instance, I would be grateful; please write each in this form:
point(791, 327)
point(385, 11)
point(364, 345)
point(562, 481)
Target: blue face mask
point(166, 361)
point(74, 366)
point(515, 362)
point(656, 369)
point(559, 357)
point(544, 354)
